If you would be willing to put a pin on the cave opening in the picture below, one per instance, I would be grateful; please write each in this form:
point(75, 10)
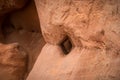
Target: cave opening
point(66, 45)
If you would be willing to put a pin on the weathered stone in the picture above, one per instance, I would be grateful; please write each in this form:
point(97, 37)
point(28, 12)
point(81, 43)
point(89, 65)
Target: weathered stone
point(13, 62)
point(23, 27)
point(93, 27)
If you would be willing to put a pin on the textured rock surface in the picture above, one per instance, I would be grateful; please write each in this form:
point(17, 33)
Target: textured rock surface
point(13, 62)
point(93, 27)
point(21, 26)
point(13, 59)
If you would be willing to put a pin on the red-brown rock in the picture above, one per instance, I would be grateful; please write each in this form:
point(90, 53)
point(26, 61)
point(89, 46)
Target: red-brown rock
point(93, 27)
point(13, 62)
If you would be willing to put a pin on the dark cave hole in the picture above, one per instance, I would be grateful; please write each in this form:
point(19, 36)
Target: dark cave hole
point(66, 45)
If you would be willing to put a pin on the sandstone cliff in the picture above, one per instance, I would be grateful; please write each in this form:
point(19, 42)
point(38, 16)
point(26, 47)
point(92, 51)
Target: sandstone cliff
point(59, 39)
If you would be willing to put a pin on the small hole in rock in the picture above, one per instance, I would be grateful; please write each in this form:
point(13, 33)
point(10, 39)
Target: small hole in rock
point(103, 32)
point(66, 45)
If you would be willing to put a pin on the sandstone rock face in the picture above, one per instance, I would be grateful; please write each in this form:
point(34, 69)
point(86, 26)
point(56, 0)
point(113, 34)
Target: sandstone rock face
point(19, 23)
point(91, 28)
point(13, 59)
point(23, 27)
point(13, 62)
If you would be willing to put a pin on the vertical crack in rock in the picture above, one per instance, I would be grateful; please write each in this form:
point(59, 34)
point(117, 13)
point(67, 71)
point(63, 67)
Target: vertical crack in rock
point(67, 12)
point(90, 11)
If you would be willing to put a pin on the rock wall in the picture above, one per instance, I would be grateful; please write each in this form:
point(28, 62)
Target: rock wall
point(60, 39)
point(13, 59)
point(19, 23)
point(25, 29)
point(82, 40)
point(13, 62)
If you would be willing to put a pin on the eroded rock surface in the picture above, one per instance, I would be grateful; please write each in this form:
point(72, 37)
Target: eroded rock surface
point(19, 23)
point(23, 27)
point(82, 40)
point(93, 27)
point(13, 62)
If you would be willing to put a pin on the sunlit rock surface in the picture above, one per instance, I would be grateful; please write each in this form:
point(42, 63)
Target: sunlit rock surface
point(13, 62)
point(59, 39)
point(93, 29)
